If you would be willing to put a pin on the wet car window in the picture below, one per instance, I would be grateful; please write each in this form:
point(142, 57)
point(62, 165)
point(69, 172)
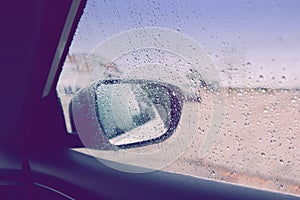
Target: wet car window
point(216, 84)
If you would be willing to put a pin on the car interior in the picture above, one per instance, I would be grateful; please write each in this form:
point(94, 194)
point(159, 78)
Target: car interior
point(36, 156)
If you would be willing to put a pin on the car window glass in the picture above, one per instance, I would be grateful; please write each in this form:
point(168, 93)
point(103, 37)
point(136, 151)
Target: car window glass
point(248, 92)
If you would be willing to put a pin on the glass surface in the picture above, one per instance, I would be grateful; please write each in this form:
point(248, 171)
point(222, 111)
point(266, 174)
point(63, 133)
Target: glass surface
point(255, 48)
point(131, 113)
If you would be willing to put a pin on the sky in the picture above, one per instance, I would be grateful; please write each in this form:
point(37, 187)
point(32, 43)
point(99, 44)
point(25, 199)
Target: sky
point(252, 43)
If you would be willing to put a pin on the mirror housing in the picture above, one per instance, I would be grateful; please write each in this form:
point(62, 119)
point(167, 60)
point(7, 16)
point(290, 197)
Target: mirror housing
point(112, 114)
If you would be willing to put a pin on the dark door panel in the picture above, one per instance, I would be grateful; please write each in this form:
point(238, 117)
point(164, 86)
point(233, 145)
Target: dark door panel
point(80, 175)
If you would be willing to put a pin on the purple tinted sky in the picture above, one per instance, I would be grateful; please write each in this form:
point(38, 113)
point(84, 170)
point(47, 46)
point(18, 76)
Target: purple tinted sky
point(252, 43)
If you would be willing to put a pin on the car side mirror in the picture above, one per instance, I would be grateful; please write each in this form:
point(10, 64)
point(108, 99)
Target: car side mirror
point(126, 113)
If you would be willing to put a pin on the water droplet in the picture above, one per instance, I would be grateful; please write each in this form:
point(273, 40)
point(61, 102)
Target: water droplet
point(281, 161)
point(281, 186)
point(213, 173)
point(261, 76)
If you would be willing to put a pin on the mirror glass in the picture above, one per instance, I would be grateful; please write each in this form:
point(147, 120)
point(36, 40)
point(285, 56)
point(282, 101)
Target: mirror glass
point(133, 113)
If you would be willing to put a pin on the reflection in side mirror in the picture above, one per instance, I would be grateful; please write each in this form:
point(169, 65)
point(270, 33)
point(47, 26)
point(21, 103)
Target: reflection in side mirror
point(137, 112)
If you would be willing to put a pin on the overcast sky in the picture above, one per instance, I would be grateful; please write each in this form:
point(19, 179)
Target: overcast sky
point(252, 43)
